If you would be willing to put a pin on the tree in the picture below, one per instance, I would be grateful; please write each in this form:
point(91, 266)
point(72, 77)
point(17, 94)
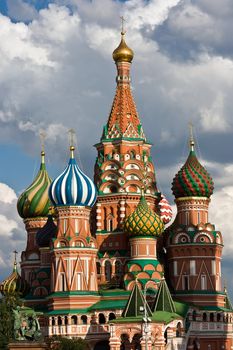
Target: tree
point(7, 303)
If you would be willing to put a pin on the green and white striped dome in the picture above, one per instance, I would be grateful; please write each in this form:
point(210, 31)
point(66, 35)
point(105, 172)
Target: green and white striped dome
point(34, 201)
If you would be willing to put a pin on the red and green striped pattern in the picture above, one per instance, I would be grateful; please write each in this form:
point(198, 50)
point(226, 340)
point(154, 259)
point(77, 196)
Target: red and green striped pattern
point(192, 180)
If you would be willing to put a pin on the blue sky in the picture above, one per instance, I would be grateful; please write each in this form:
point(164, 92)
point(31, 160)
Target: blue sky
point(56, 72)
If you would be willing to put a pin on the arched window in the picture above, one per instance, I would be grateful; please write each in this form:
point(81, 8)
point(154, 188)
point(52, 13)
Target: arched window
point(102, 319)
point(108, 271)
point(84, 319)
point(211, 317)
point(111, 316)
point(66, 320)
point(178, 330)
point(118, 268)
point(59, 321)
point(53, 321)
point(218, 317)
point(74, 319)
point(204, 317)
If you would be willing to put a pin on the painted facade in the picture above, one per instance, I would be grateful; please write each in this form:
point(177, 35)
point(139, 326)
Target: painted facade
point(103, 263)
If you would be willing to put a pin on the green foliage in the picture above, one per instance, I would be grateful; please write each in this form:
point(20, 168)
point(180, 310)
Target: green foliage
point(60, 343)
point(7, 304)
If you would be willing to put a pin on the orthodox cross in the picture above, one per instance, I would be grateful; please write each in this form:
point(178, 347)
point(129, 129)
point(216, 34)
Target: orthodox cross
point(42, 139)
point(15, 252)
point(71, 136)
point(122, 25)
point(191, 138)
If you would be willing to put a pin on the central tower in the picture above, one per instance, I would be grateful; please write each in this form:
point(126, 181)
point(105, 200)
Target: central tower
point(122, 167)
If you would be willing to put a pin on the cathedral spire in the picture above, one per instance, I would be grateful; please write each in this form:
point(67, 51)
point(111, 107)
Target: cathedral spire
point(123, 121)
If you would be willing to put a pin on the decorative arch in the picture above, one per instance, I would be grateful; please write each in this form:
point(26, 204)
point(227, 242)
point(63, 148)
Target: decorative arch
point(207, 236)
point(179, 236)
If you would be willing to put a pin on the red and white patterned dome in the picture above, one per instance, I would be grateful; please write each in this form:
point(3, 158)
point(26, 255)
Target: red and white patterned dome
point(165, 210)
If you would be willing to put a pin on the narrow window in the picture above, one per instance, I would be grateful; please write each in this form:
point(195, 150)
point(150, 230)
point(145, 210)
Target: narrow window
point(79, 281)
point(62, 282)
point(185, 282)
point(213, 263)
point(203, 282)
point(192, 267)
point(175, 268)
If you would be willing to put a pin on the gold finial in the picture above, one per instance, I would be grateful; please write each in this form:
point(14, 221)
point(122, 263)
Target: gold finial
point(15, 261)
point(42, 139)
point(71, 137)
point(122, 25)
point(123, 53)
point(191, 138)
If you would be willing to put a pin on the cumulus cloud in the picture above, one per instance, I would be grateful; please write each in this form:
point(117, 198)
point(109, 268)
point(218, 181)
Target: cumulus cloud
point(56, 73)
point(12, 233)
point(221, 213)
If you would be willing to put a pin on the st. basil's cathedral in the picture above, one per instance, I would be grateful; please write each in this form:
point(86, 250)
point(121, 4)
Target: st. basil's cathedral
point(102, 261)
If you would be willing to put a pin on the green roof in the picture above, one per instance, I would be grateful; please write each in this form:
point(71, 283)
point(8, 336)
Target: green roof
point(136, 303)
point(110, 304)
point(68, 311)
point(228, 304)
point(163, 300)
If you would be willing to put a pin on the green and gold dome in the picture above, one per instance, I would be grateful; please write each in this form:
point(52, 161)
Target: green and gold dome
point(14, 284)
point(34, 201)
point(143, 221)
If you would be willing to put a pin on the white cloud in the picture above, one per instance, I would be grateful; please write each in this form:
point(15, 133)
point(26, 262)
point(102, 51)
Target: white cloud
point(7, 194)
point(221, 215)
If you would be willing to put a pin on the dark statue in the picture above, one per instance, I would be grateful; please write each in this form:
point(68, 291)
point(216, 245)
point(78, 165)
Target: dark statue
point(26, 325)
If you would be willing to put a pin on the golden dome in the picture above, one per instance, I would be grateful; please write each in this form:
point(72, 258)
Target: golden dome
point(123, 53)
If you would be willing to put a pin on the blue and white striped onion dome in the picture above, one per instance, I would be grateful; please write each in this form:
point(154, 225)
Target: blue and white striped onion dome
point(72, 187)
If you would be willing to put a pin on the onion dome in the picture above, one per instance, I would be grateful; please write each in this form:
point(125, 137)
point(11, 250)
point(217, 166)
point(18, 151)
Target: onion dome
point(143, 221)
point(34, 201)
point(14, 284)
point(72, 187)
point(192, 180)
point(165, 210)
point(123, 53)
point(46, 233)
